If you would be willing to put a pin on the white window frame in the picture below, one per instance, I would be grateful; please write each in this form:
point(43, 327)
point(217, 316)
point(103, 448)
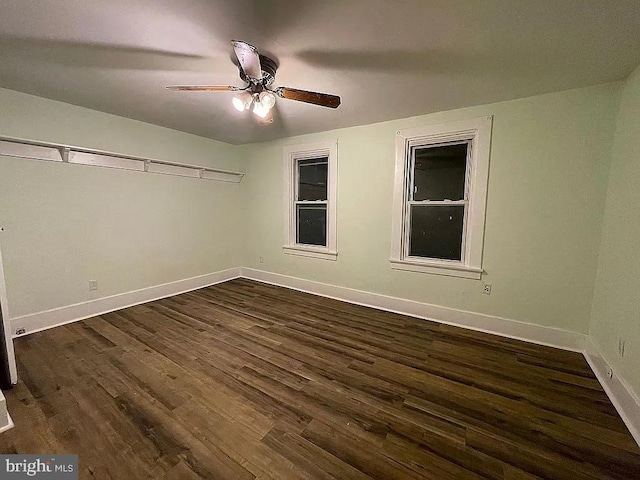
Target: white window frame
point(476, 131)
point(291, 155)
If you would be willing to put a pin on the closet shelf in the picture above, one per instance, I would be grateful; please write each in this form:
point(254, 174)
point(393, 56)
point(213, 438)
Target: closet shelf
point(30, 149)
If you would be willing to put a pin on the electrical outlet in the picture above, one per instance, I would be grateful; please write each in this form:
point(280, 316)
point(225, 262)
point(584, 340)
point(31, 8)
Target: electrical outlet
point(21, 331)
point(621, 345)
point(261, 259)
point(486, 288)
point(93, 285)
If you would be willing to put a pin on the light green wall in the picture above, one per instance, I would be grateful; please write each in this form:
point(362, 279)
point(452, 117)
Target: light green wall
point(547, 184)
point(66, 224)
point(616, 303)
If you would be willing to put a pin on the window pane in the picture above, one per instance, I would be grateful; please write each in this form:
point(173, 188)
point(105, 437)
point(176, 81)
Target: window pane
point(312, 224)
point(439, 172)
point(436, 232)
point(312, 178)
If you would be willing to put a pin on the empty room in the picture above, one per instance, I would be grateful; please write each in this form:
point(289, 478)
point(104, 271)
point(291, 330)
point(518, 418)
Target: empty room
point(245, 239)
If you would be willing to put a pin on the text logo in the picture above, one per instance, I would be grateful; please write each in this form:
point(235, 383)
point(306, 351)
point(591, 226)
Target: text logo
point(50, 467)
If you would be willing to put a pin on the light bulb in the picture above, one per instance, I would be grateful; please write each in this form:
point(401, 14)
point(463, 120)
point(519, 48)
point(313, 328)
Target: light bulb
point(267, 99)
point(260, 109)
point(242, 101)
point(239, 104)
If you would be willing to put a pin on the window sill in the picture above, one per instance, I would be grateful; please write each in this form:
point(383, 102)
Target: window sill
point(302, 251)
point(451, 270)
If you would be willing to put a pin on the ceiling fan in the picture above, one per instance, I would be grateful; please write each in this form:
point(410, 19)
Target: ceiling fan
point(259, 72)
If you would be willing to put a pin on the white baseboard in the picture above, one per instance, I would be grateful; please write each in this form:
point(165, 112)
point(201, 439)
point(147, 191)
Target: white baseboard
point(36, 322)
point(505, 327)
point(622, 396)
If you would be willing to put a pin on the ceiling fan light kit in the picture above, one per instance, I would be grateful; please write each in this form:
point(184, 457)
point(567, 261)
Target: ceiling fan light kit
point(259, 72)
point(242, 101)
point(268, 99)
point(262, 102)
point(260, 110)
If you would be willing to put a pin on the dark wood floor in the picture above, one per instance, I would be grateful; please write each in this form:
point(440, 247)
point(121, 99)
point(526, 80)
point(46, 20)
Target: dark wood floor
point(244, 380)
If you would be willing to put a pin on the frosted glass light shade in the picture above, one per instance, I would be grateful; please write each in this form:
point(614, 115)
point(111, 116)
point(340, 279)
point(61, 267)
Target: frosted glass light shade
point(260, 109)
point(242, 101)
point(267, 99)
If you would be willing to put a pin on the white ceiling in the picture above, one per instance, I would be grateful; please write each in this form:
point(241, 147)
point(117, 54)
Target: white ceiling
point(387, 59)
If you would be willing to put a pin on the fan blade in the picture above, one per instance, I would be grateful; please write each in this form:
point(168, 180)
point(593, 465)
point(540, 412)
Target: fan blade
point(202, 88)
point(249, 59)
point(322, 99)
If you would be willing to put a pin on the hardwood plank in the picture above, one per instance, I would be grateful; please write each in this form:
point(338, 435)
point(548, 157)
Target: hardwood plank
point(320, 463)
point(356, 451)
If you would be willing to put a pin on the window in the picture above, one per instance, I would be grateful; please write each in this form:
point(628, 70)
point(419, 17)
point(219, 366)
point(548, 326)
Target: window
point(440, 197)
point(310, 200)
